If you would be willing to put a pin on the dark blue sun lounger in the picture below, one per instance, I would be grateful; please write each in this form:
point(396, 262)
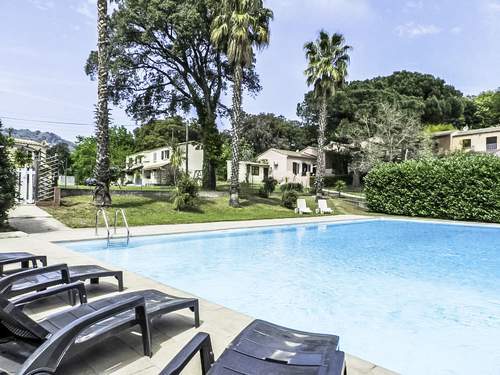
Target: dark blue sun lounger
point(33, 347)
point(34, 279)
point(265, 348)
point(24, 258)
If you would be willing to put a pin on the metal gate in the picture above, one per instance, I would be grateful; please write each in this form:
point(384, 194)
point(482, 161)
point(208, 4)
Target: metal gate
point(25, 184)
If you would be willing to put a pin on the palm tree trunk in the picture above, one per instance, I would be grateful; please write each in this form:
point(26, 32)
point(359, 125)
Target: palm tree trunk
point(102, 169)
point(235, 138)
point(320, 169)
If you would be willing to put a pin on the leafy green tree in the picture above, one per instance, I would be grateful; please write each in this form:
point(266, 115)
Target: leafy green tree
point(267, 130)
point(83, 157)
point(162, 62)
point(328, 58)
point(7, 178)
point(158, 133)
point(488, 108)
point(407, 90)
point(22, 158)
point(238, 28)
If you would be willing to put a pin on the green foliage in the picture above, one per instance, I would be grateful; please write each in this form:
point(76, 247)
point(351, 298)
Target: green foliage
point(63, 155)
point(266, 130)
point(289, 199)
point(330, 181)
point(7, 178)
point(83, 158)
point(340, 185)
point(238, 27)
point(186, 193)
point(22, 158)
point(162, 61)
point(457, 187)
point(328, 58)
point(159, 133)
point(292, 186)
point(268, 187)
point(430, 97)
point(488, 108)
point(434, 128)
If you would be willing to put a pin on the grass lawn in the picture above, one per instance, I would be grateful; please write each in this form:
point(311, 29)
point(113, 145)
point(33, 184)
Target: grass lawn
point(79, 212)
point(124, 187)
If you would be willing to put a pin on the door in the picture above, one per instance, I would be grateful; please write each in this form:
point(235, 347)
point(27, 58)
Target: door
point(266, 173)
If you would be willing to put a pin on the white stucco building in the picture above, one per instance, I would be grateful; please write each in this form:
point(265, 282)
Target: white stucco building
point(151, 167)
point(292, 166)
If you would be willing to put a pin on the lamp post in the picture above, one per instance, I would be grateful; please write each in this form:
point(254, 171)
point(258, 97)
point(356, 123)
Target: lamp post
point(187, 148)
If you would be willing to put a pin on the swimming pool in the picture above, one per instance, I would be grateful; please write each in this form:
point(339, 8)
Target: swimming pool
point(418, 298)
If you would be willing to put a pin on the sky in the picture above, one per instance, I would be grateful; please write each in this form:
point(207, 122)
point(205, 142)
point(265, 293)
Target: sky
point(44, 45)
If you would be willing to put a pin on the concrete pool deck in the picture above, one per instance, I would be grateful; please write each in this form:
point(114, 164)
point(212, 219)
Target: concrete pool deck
point(123, 354)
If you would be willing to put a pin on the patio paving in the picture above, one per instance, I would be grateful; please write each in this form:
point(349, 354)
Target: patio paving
point(123, 354)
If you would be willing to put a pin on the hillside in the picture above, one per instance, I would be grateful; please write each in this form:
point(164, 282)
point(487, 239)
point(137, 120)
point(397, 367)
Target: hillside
point(36, 135)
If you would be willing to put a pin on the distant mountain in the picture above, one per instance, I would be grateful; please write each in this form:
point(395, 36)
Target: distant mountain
point(51, 138)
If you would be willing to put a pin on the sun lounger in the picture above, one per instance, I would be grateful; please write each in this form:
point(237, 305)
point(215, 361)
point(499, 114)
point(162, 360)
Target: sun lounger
point(265, 348)
point(323, 207)
point(28, 280)
point(23, 258)
point(29, 347)
point(302, 207)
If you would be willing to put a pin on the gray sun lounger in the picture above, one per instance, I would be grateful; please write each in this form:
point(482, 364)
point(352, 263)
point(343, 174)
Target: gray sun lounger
point(265, 348)
point(30, 347)
point(24, 258)
point(35, 279)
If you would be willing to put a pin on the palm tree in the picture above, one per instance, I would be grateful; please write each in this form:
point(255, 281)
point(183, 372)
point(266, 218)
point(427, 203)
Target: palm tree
point(328, 58)
point(240, 25)
point(102, 171)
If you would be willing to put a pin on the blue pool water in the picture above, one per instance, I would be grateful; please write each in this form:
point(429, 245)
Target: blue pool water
point(418, 298)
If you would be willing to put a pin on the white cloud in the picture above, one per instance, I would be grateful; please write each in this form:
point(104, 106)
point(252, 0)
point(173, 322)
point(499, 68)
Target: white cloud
point(413, 30)
point(352, 8)
point(87, 8)
point(493, 6)
point(43, 4)
point(413, 4)
point(456, 30)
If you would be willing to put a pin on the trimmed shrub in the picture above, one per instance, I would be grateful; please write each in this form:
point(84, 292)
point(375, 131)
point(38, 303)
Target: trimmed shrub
point(7, 179)
point(340, 186)
point(289, 199)
point(459, 187)
point(186, 193)
point(292, 186)
point(269, 187)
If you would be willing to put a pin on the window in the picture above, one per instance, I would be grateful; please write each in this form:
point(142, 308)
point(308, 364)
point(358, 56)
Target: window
point(305, 169)
point(295, 168)
point(154, 157)
point(255, 171)
point(147, 174)
point(491, 144)
point(466, 143)
point(165, 154)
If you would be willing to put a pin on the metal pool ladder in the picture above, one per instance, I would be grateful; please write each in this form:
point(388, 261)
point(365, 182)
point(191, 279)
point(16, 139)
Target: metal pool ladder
point(124, 218)
point(102, 212)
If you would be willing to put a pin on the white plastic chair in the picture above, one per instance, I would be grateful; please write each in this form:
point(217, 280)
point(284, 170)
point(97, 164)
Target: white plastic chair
point(302, 207)
point(323, 207)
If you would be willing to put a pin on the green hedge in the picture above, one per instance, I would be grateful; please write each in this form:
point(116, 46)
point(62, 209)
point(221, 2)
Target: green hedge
point(458, 187)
